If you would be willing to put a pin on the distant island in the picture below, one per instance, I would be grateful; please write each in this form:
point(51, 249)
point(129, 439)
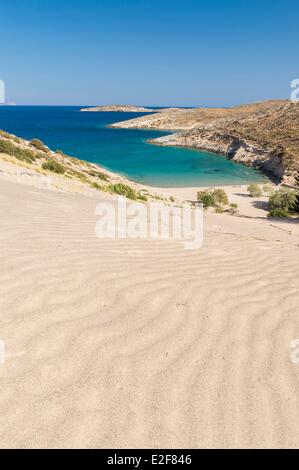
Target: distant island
point(120, 109)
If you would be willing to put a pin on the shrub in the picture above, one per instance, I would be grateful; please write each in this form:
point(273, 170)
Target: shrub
point(210, 198)
point(296, 205)
point(25, 155)
point(172, 199)
point(102, 176)
point(124, 190)
point(207, 198)
point(39, 155)
point(220, 196)
point(279, 213)
point(282, 202)
point(7, 147)
point(142, 197)
point(254, 190)
point(39, 145)
point(54, 166)
point(99, 174)
point(20, 153)
point(78, 174)
point(96, 186)
point(233, 208)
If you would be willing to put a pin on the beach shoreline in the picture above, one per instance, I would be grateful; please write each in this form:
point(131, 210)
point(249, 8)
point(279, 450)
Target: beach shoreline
point(16, 173)
point(12, 169)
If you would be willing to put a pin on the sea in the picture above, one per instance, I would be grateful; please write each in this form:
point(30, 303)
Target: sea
point(125, 151)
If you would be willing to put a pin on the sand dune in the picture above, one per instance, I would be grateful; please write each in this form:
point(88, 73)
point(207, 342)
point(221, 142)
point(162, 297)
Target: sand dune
point(122, 343)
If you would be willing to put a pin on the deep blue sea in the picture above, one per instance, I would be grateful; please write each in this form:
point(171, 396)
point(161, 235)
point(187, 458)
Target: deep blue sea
point(125, 151)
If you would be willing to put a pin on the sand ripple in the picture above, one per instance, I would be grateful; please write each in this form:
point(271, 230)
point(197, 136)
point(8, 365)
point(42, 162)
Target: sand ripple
point(142, 344)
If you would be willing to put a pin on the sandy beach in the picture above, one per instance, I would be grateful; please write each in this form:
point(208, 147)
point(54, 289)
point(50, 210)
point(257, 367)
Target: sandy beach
point(127, 344)
point(149, 236)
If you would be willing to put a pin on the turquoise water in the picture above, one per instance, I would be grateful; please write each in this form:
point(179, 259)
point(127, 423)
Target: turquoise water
point(125, 151)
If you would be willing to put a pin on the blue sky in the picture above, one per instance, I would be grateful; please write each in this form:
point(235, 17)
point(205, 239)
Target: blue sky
point(183, 53)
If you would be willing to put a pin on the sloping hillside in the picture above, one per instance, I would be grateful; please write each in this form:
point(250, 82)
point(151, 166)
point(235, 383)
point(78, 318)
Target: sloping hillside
point(264, 135)
point(178, 119)
point(268, 139)
point(61, 171)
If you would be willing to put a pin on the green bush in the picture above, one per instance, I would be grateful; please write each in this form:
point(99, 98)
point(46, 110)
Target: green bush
point(142, 197)
point(220, 196)
point(212, 198)
point(54, 166)
point(207, 198)
point(78, 174)
point(96, 186)
point(99, 174)
point(20, 153)
point(39, 145)
point(124, 190)
point(254, 190)
point(279, 213)
point(282, 203)
point(158, 197)
point(233, 208)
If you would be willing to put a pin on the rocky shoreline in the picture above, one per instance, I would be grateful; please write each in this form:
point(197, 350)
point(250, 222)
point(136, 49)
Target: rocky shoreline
point(262, 135)
point(236, 149)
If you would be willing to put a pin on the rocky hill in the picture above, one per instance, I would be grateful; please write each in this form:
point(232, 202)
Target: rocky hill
point(264, 135)
point(179, 118)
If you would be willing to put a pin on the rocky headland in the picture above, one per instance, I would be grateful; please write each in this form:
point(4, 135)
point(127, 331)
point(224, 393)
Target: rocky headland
point(263, 135)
